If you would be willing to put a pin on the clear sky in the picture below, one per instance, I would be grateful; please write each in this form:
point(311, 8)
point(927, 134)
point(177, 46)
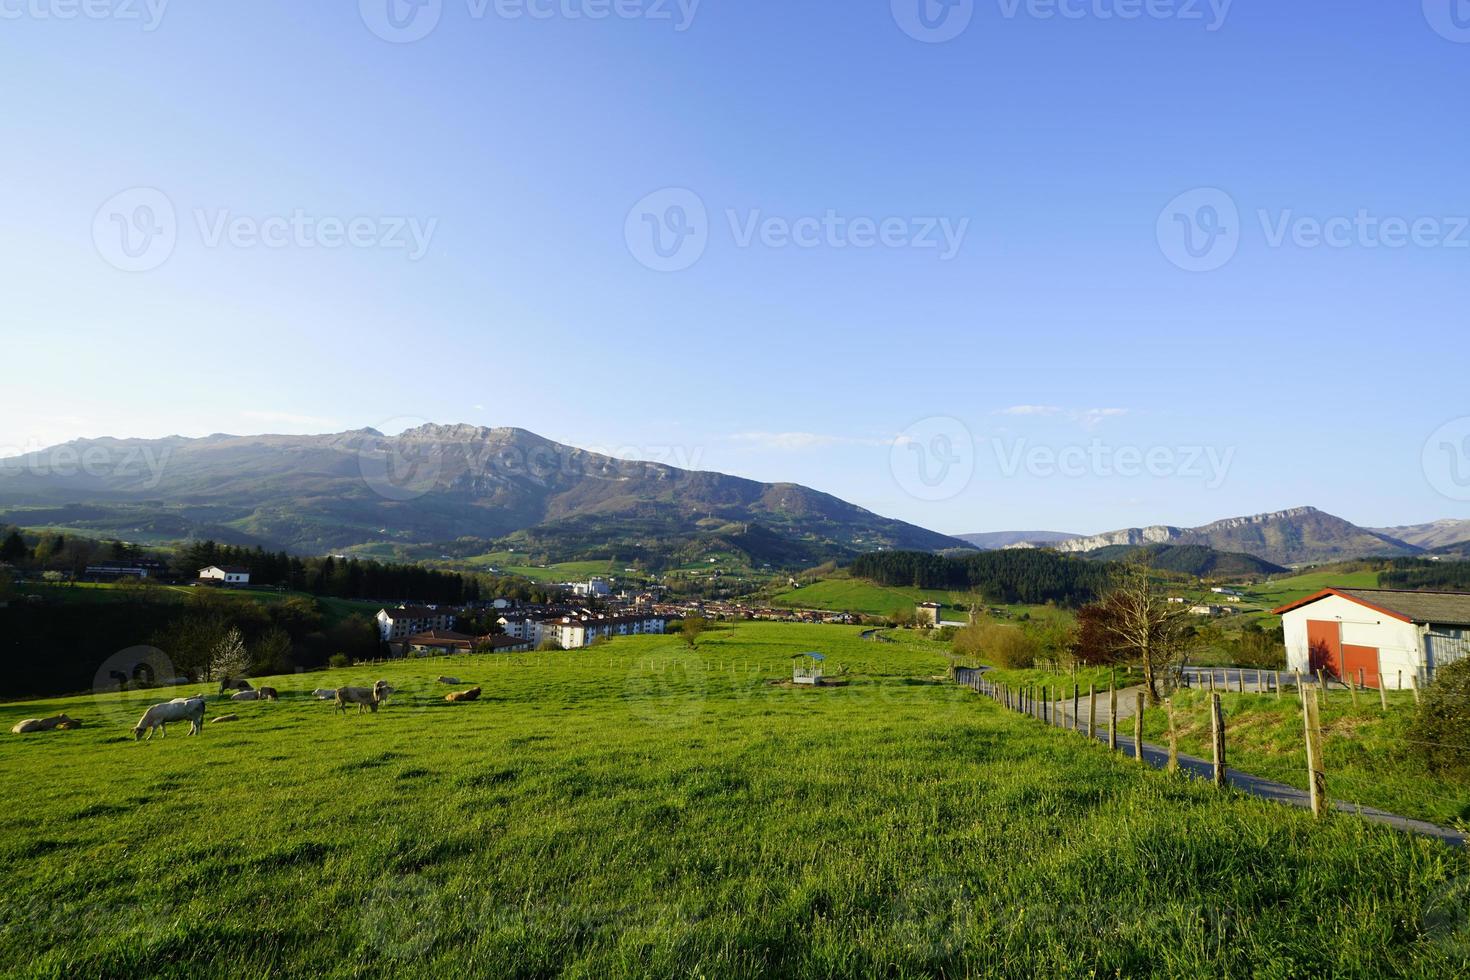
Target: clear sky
point(948, 280)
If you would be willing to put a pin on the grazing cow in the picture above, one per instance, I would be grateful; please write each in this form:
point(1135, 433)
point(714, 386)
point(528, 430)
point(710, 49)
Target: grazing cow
point(229, 685)
point(246, 696)
point(180, 709)
point(452, 681)
point(473, 694)
point(44, 725)
point(269, 694)
point(383, 689)
point(365, 698)
point(325, 693)
point(217, 719)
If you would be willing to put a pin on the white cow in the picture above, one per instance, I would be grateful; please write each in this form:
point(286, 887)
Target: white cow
point(365, 698)
point(44, 725)
point(179, 709)
point(325, 693)
point(245, 696)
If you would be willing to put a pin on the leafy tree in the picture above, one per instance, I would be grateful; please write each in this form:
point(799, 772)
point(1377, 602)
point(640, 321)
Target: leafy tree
point(691, 628)
point(1442, 719)
point(14, 549)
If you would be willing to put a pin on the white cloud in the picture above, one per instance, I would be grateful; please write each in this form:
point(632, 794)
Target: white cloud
point(800, 441)
point(1087, 417)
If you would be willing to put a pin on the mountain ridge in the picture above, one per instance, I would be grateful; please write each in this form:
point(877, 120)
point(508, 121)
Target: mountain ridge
point(441, 484)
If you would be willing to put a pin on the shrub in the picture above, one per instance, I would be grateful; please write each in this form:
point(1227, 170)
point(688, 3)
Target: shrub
point(1442, 721)
point(339, 660)
point(999, 644)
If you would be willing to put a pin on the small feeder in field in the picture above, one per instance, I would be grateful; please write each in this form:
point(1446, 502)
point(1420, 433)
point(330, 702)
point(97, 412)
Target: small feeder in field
point(806, 668)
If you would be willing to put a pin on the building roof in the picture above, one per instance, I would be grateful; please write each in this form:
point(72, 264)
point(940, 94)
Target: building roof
point(228, 569)
point(1447, 608)
point(415, 612)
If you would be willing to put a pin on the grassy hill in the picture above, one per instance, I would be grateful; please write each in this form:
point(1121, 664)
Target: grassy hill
point(640, 810)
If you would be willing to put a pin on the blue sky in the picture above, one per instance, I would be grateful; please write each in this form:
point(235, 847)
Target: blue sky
point(496, 175)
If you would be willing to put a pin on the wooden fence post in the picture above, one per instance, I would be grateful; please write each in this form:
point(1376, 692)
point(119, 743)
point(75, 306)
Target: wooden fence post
point(1352, 687)
point(1217, 731)
point(1239, 680)
point(1076, 703)
point(1113, 718)
point(1212, 680)
point(1276, 683)
point(1415, 679)
point(1045, 706)
point(1173, 737)
point(1316, 774)
point(1322, 684)
point(1138, 729)
point(1092, 710)
point(1382, 685)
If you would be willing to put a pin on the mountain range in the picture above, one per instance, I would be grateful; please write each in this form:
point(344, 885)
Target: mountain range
point(1302, 535)
point(456, 489)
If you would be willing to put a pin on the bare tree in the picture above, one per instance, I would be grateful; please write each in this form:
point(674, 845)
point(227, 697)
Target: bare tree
point(1146, 627)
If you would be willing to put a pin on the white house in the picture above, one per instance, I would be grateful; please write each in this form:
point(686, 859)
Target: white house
point(1377, 632)
point(405, 621)
point(594, 587)
point(575, 632)
point(228, 574)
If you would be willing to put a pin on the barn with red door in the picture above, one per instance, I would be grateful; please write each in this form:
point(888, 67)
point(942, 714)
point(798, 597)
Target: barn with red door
point(1372, 634)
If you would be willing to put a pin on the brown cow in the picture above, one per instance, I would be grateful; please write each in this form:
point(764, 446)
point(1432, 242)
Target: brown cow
point(44, 725)
point(473, 694)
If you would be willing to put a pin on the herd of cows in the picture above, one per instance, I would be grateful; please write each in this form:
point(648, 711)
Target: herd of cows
point(191, 709)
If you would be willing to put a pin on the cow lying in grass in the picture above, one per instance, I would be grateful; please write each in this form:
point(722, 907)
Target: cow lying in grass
point(44, 725)
point(366, 698)
point(325, 693)
point(179, 709)
point(473, 694)
point(269, 694)
point(245, 696)
point(453, 681)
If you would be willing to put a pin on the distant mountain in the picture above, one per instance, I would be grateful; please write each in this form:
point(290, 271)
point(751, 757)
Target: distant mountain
point(459, 489)
point(1191, 559)
point(996, 540)
point(1304, 535)
point(1436, 534)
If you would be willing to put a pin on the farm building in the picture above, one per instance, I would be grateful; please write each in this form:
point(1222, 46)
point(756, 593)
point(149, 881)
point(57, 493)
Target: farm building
point(1373, 632)
point(928, 613)
point(228, 574)
point(405, 621)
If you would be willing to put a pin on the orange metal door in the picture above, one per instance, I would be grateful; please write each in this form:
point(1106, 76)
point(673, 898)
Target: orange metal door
point(1365, 659)
point(1324, 640)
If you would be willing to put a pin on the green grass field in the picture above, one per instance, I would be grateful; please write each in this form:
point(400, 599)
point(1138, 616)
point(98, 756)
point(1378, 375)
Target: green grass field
point(642, 810)
point(868, 598)
point(1369, 756)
